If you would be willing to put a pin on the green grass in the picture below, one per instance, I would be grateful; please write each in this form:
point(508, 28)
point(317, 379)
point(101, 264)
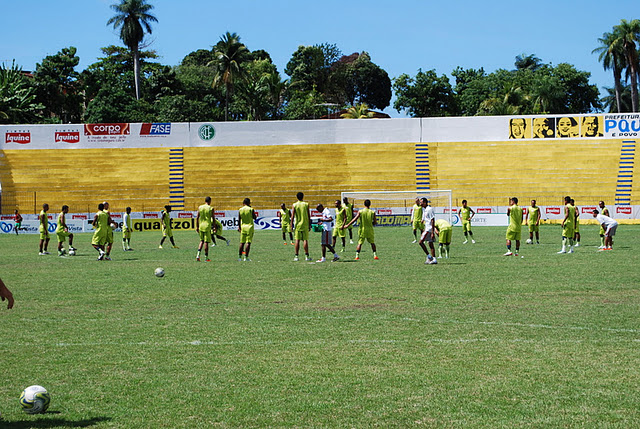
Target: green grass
point(480, 340)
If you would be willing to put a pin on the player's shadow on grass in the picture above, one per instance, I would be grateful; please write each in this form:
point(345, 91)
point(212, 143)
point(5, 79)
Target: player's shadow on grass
point(53, 423)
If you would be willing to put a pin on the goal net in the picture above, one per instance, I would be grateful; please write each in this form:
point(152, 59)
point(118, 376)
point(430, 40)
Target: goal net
point(400, 203)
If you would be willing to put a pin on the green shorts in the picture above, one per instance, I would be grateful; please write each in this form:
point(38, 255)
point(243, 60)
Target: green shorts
point(418, 224)
point(534, 228)
point(445, 236)
point(109, 235)
point(167, 232)
point(368, 236)
point(514, 234)
point(568, 231)
point(246, 234)
point(205, 235)
point(99, 239)
point(44, 234)
point(126, 233)
point(466, 226)
point(62, 236)
point(286, 226)
point(339, 232)
point(302, 234)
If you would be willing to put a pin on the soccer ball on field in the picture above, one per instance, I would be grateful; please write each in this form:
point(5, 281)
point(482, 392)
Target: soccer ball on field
point(529, 241)
point(72, 253)
point(159, 272)
point(35, 399)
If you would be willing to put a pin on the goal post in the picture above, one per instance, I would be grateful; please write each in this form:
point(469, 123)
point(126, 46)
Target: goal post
point(401, 202)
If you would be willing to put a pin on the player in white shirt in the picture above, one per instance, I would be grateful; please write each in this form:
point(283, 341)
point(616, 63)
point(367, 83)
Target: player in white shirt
point(127, 228)
point(327, 228)
point(428, 235)
point(609, 225)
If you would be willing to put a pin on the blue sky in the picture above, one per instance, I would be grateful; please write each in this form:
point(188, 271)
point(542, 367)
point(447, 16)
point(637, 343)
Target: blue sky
point(400, 36)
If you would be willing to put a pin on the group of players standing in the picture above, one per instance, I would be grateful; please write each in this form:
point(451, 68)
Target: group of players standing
point(297, 222)
point(570, 225)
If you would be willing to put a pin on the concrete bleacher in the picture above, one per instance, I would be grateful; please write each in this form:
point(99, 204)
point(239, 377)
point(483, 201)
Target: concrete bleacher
point(85, 177)
point(272, 175)
point(545, 170)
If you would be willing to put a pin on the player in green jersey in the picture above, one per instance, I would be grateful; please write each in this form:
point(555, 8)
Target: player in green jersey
point(466, 215)
point(101, 222)
point(301, 219)
point(444, 231)
point(576, 231)
point(247, 216)
point(285, 223)
point(514, 230)
point(110, 226)
point(167, 230)
point(532, 218)
point(62, 231)
point(416, 220)
point(341, 219)
point(568, 226)
point(217, 232)
point(604, 211)
point(348, 210)
point(368, 220)
point(204, 224)
point(43, 228)
point(127, 229)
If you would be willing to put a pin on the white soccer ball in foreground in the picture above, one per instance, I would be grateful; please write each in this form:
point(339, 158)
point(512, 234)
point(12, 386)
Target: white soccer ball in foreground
point(35, 399)
point(529, 241)
point(72, 253)
point(159, 272)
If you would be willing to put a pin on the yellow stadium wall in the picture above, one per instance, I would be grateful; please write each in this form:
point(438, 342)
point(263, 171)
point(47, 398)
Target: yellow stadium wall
point(488, 173)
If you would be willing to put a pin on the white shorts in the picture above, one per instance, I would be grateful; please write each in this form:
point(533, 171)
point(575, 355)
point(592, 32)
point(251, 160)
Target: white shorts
point(611, 231)
point(427, 236)
point(326, 238)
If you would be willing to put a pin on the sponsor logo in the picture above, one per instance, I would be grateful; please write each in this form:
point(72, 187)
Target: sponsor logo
point(156, 225)
point(6, 217)
point(67, 136)
point(446, 210)
point(219, 214)
point(552, 210)
point(315, 213)
point(394, 220)
point(106, 129)
point(206, 132)
point(115, 216)
point(588, 209)
point(485, 210)
point(83, 217)
point(185, 215)
point(150, 215)
point(6, 227)
point(156, 129)
point(383, 212)
point(20, 137)
point(623, 210)
point(622, 125)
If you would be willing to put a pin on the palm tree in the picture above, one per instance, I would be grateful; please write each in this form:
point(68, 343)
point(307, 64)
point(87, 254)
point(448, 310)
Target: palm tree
point(17, 97)
point(610, 101)
point(611, 55)
point(133, 19)
point(230, 54)
point(628, 33)
point(361, 111)
point(528, 62)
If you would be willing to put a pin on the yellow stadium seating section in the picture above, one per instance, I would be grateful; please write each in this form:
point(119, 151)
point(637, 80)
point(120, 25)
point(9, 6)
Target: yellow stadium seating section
point(545, 170)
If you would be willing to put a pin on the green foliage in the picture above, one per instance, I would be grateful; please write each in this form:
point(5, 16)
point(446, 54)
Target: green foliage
point(58, 88)
point(18, 104)
point(361, 111)
point(425, 95)
point(307, 105)
point(362, 81)
point(478, 341)
point(229, 55)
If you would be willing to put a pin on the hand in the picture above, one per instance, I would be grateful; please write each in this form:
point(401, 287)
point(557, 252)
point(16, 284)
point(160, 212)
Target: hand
point(6, 294)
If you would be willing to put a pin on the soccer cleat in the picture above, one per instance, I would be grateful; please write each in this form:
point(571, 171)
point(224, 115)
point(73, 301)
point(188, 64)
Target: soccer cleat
point(357, 258)
point(228, 242)
point(247, 260)
point(465, 242)
point(292, 243)
point(577, 245)
point(197, 259)
point(160, 246)
point(473, 241)
point(285, 243)
point(336, 258)
point(350, 241)
point(342, 251)
point(307, 258)
point(321, 260)
point(295, 258)
point(376, 257)
point(562, 251)
point(46, 253)
point(107, 258)
point(508, 253)
point(434, 261)
point(42, 253)
point(570, 251)
point(414, 241)
point(213, 244)
point(72, 248)
point(515, 254)
point(175, 247)
point(207, 260)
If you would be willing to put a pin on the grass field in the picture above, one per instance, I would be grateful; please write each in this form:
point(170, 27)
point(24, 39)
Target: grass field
point(480, 340)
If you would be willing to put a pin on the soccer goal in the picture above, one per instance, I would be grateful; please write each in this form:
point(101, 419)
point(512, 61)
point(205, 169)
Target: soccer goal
point(401, 202)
